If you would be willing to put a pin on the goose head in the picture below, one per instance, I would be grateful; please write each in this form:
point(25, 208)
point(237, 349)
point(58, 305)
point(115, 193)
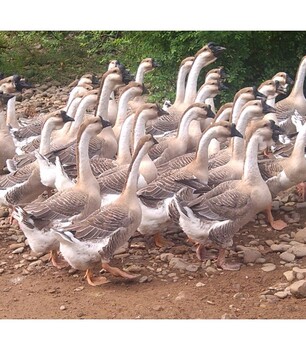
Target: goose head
point(248, 94)
point(148, 64)
point(210, 52)
point(89, 79)
point(284, 79)
point(224, 130)
point(119, 76)
point(267, 130)
point(211, 88)
point(202, 110)
point(58, 119)
point(258, 108)
point(20, 83)
point(93, 125)
point(113, 64)
point(150, 110)
point(216, 74)
point(187, 63)
point(137, 88)
point(271, 88)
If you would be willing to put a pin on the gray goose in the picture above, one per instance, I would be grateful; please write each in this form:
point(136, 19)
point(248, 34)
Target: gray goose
point(95, 239)
point(218, 214)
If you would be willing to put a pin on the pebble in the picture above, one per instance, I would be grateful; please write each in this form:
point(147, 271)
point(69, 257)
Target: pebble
point(62, 307)
point(251, 255)
point(143, 279)
point(298, 289)
point(166, 256)
point(200, 284)
point(280, 247)
point(268, 267)
point(290, 276)
point(298, 251)
point(300, 236)
point(180, 296)
point(157, 308)
point(78, 289)
point(269, 242)
point(282, 294)
point(1, 271)
point(288, 257)
point(18, 250)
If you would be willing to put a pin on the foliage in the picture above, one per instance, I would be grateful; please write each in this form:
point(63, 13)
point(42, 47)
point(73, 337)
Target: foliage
point(251, 56)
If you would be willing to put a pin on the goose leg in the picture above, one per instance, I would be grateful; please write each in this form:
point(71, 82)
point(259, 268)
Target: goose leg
point(58, 262)
point(301, 190)
point(203, 254)
point(95, 281)
point(275, 224)
point(226, 265)
point(161, 241)
point(115, 271)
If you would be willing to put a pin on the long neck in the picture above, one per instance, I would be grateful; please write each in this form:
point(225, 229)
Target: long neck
point(11, 118)
point(251, 173)
point(84, 171)
point(139, 128)
point(191, 87)
point(300, 143)
point(45, 139)
point(140, 74)
point(123, 106)
point(239, 103)
point(71, 97)
point(180, 85)
point(124, 153)
point(71, 112)
point(202, 95)
point(131, 185)
point(210, 101)
point(87, 101)
point(299, 80)
point(238, 145)
point(201, 158)
point(3, 125)
point(183, 131)
point(107, 89)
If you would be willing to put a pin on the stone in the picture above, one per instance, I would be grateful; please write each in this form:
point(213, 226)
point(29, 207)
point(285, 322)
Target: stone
point(181, 264)
point(18, 250)
point(260, 261)
point(269, 242)
point(275, 205)
point(211, 270)
point(200, 284)
point(290, 276)
point(280, 247)
point(251, 255)
point(298, 289)
point(143, 279)
point(4, 212)
point(135, 268)
point(157, 308)
point(180, 296)
point(166, 256)
point(298, 251)
point(282, 294)
point(268, 267)
point(300, 236)
point(62, 307)
point(288, 257)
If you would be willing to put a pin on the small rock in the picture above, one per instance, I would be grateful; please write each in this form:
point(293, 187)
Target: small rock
point(211, 270)
point(298, 289)
point(181, 296)
point(280, 247)
point(269, 242)
point(260, 261)
point(62, 307)
point(78, 289)
point(300, 236)
point(288, 257)
point(166, 256)
point(157, 308)
point(200, 284)
point(1, 271)
point(172, 274)
point(298, 251)
point(275, 205)
point(16, 245)
point(18, 250)
point(268, 267)
point(135, 269)
point(251, 255)
point(138, 245)
point(282, 294)
point(290, 276)
point(143, 279)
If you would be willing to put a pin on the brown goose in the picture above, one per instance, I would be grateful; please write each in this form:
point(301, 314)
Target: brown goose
point(69, 205)
point(218, 214)
point(95, 239)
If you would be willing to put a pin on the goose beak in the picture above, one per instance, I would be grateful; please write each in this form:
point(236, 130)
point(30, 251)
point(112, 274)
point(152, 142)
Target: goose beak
point(22, 84)
point(145, 91)
point(105, 123)
point(222, 86)
point(155, 64)
point(126, 75)
point(258, 95)
point(289, 80)
point(281, 90)
point(216, 49)
point(223, 74)
point(95, 80)
point(266, 108)
point(276, 130)
point(66, 117)
point(235, 132)
point(210, 113)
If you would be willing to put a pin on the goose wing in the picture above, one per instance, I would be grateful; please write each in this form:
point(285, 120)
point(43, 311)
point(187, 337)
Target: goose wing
point(113, 180)
point(19, 176)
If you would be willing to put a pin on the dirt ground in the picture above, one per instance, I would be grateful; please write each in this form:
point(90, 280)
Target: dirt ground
point(44, 292)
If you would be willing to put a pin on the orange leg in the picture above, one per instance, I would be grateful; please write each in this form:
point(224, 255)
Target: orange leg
point(161, 241)
point(115, 271)
point(58, 262)
point(226, 265)
point(301, 190)
point(203, 254)
point(95, 281)
point(276, 224)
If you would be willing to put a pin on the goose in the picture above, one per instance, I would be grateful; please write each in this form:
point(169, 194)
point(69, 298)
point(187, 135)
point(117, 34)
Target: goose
point(96, 238)
point(66, 206)
point(240, 99)
point(295, 101)
point(233, 169)
point(208, 54)
point(11, 119)
point(7, 145)
point(217, 74)
point(282, 174)
point(129, 92)
point(156, 197)
point(13, 84)
point(112, 181)
point(24, 186)
point(218, 214)
point(173, 147)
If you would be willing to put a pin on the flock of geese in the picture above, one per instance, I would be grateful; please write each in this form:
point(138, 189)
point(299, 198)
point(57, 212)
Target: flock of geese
point(82, 180)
